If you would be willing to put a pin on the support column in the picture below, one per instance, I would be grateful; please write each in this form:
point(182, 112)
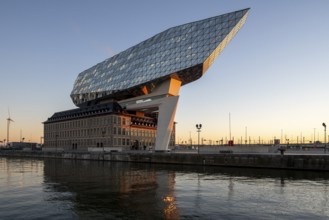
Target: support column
point(163, 99)
point(166, 117)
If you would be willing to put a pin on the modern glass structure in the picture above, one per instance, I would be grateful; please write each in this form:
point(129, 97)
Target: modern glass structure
point(147, 77)
point(184, 52)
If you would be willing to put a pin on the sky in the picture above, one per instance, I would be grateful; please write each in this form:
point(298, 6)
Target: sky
point(272, 78)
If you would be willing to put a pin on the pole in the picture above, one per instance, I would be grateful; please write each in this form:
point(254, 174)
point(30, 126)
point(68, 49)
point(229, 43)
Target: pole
point(245, 140)
point(198, 140)
point(8, 122)
point(229, 116)
point(314, 137)
point(325, 137)
point(190, 139)
point(198, 127)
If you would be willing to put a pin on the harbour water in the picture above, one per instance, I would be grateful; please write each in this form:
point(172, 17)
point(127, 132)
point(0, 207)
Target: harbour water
point(70, 189)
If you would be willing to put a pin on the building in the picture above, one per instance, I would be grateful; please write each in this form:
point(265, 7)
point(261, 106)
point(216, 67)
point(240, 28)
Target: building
point(141, 87)
point(103, 127)
point(23, 146)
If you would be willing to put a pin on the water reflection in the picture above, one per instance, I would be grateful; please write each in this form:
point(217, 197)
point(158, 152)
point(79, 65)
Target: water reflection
point(115, 190)
point(68, 189)
point(143, 191)
point(17, 170)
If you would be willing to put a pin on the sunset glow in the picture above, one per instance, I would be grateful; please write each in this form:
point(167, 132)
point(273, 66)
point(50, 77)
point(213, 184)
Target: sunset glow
point(272, 79)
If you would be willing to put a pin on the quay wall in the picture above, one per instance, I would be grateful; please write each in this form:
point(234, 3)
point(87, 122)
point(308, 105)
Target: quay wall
point(273, 161)
point(250, 149)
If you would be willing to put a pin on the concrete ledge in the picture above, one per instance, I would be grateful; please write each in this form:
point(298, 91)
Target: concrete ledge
point(273, 161)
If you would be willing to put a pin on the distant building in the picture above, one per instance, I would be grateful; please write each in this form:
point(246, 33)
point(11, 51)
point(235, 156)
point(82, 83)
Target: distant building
point(23, 145)
point(137, 90)
point(276, 141)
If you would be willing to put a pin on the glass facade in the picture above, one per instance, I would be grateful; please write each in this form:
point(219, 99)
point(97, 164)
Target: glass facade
point(184, 52)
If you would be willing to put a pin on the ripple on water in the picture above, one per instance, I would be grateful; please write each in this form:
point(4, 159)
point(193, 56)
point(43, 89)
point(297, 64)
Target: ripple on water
point(58, 189)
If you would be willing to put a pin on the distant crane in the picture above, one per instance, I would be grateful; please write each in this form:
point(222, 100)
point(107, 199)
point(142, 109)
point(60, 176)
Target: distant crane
point(8, 125)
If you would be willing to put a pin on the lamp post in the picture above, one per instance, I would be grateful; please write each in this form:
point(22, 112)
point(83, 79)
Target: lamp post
point(314, 136)
point(325, 137)
point(198, 126)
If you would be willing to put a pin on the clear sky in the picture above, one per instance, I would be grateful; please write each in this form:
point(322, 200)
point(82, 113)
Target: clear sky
point(272, 77)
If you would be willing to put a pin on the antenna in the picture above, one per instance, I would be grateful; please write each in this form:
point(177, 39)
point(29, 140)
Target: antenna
point(8, 125)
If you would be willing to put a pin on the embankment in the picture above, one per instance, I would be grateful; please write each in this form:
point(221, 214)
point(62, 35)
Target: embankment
point(273, 161)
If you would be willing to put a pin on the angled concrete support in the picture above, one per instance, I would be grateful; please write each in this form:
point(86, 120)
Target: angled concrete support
point(163, 99)
point(167, 112)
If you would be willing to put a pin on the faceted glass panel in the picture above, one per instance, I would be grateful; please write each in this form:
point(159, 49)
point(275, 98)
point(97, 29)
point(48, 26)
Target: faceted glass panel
point(175, 50)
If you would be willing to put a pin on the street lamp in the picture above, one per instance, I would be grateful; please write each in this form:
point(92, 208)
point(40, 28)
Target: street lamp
point(198, 126)
point(325, 137)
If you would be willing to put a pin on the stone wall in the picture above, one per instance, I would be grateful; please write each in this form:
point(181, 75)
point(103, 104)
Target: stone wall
point(273, 161)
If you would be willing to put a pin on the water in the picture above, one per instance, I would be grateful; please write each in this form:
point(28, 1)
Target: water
point(67, 189)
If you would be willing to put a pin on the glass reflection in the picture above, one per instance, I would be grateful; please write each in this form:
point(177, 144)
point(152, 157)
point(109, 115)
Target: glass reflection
point(115, 190)
point(67, 189)
point(170, 46)
point(143, 191)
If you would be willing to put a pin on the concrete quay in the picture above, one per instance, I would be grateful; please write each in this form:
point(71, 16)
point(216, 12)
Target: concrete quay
point(319, 162)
